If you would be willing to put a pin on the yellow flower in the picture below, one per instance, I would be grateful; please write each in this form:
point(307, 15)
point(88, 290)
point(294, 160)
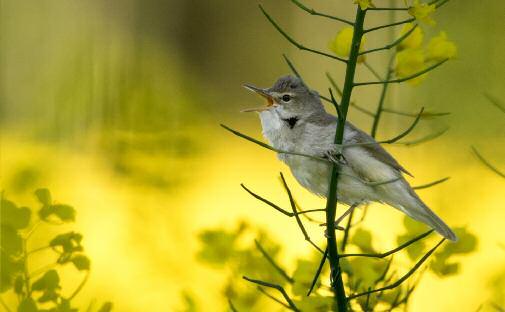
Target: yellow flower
point(410, 62)
point(414, 40)
point(440, 48)
point(341, 44)
point(364, 4)
point(422, 12)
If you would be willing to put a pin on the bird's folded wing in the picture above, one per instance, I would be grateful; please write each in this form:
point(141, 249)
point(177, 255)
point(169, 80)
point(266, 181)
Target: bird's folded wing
point(374, 149)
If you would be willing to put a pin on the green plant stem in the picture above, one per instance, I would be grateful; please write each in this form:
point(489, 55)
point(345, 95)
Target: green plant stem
point(273, 263)
point(427, 185)
point(336, 281)
point(346, 231)
point(378, 112)
point(392, 251)
point(296, 43)
point(422, 72)
point(298, 220)
point(313, 12)
point(81, 285)
point(487, 163)
point(318, 272)
point(232, 307)
point(404, 277)
point(277, 287)
point(393, 44)
point(390, 25)
point(264, 292)
point(276, 207)
point(26, 274)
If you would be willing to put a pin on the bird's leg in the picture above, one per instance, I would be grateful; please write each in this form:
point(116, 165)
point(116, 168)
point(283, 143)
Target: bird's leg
point(335, 155)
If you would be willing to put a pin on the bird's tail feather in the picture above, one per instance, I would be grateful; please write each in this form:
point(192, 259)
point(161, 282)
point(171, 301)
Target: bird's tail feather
point(407, 201)
point(428, 217)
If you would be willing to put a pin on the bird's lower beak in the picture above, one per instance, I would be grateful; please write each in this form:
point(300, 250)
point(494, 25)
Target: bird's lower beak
point(264, 93)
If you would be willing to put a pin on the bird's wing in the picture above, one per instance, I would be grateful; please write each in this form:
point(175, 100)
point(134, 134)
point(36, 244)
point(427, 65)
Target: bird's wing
point(376, 150)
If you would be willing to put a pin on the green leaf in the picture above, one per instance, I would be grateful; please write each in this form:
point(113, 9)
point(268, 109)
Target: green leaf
point(27, 305)
point(106, 307)
point(315, 303)
point(81, 262)
point(49, 285)
point(10, 215)
point(9, 268)
point(44, 196)
point(10, 241)
point(443, 263)
point(363, 239)
point(303, 275)
point(64, 213)
point(218, 246)
point(19, 284)
point(65, 306)
point(66, 244)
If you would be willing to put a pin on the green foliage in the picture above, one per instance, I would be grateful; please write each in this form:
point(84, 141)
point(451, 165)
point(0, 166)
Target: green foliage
point(42, 286)
point(443, 263)
point(234, 251)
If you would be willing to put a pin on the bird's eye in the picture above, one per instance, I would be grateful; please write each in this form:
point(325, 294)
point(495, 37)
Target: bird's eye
point(286, 98)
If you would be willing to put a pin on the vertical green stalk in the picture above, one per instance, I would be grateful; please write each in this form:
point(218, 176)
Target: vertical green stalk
point(331, 204)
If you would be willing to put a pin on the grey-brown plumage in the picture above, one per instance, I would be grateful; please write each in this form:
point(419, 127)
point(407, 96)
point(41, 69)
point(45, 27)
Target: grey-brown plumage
point(295, 121)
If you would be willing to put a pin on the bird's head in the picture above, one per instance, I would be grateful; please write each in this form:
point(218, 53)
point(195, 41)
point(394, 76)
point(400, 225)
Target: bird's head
point(289, 96)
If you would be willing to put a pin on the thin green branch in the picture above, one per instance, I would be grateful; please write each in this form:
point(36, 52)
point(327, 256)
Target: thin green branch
point(273, 263)
point(495, 102)
point(347, 231)
point(285, 212)
point(335, 104)
point(426, 138)
point(409, 20)
point(264, 292)
point(422, 72)
point(371, 183)
point(79, 288)
point(373, 71)
point(290, 302)
point(393, 44)
point(270, 147)
point(424, 115)
point(385, 272)
point(232, 307)
point(487, 163)
point(298, 220)
point(313, 12)
point(404, 277)
point(387, 9)
point(427, 185)
point(296, 43)
point(335, 85)
point(378, 112)
point(318, 272)
point(291, 66)
point(392, 251)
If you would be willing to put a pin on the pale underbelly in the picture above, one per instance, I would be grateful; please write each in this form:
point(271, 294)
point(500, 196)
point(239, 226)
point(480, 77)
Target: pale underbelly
point(315, 176)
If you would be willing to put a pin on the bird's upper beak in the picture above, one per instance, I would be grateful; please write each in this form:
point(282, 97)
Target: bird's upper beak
point(264, 93)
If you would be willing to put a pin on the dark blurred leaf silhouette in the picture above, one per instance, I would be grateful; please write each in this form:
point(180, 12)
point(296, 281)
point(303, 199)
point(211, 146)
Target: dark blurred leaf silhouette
point(40, 289)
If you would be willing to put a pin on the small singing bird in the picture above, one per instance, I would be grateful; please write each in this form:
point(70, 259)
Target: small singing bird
point(295, 121)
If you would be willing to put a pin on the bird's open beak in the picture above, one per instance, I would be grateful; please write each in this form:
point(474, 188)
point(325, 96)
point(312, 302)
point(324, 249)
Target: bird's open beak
point(264, 93)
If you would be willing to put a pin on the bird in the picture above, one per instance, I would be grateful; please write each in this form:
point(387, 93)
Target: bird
point(295, 122)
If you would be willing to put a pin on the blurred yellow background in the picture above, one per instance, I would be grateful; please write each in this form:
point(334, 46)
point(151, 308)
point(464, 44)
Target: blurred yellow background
point(115, 107)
